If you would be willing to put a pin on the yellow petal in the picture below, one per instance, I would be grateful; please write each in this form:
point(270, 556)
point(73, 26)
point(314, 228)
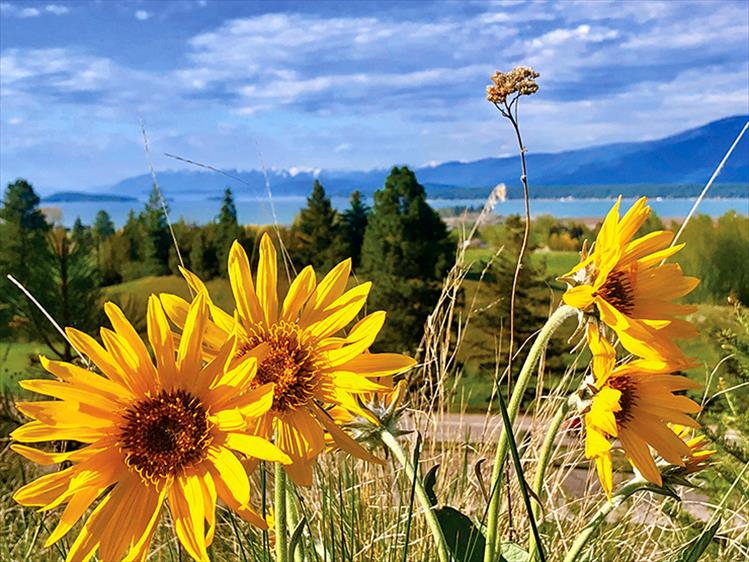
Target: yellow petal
point(209, 501)
point(87, 381)
point(378, 364)
point(162, 342)
point(362, 335)
point(657, 257)
point(229, 476)
point(607, 236)
point(242, 286)
point(604, 355)
point(45, 489)
point(595, 443)
point(123, 354)
point(257, 447)
point(605, 473)
point(328, 290)
point(100, 356)
point(75, 509)
point(229, 497)
point(301, 437)
point(46, 458)
point(579, 297)
point(639, 455)
point(355, 383)
point(645, 245)
point(188, 513)
point(36, 432)
point(299, 292)
point(139, 546)
point(189, 354)
point(341, 312)
point(65, 391)
point(144, 371)
point(65, 413)
point(344, 441)
point(633, 220)
point(267, 270)
point(661, 438)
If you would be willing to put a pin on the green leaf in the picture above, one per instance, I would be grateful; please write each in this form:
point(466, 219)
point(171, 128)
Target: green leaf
point(430, 480)
point(694, 551)
point(512, 552)
point(296, 536)
point(464, 539)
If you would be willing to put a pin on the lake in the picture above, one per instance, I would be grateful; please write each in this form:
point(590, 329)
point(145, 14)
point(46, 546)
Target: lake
point(259, 211)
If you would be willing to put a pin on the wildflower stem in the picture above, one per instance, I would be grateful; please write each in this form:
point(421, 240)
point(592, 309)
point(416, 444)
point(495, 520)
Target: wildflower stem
point(600, 515)
point(282, 545)
point(543, 461)
point(537, 349)
point(389, 440)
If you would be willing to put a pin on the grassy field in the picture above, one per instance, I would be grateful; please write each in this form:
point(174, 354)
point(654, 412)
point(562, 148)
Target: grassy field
point(19, 361)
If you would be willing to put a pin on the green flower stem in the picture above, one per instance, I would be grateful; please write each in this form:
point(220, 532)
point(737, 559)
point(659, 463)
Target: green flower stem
point(282, 535)
point(600, 515)
point(293, 519)
point(534, 355)
point(543, 461)
point(392, 443)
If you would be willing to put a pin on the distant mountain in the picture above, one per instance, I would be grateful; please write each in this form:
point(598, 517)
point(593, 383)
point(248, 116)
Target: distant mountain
point(673, 166)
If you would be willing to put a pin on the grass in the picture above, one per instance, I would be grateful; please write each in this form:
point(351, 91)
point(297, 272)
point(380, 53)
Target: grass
point(18, 360)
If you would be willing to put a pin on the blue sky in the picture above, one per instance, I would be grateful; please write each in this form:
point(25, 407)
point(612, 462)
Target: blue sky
point(352, 85)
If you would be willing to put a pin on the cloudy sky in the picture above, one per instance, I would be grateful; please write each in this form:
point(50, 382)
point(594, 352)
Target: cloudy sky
point(351, 85)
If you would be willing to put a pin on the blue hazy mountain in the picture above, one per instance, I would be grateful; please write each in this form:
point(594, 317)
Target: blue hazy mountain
point(673, 166)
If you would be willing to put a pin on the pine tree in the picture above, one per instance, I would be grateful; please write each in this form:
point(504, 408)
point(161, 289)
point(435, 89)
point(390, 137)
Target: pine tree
point(203, 259)
point(314, 239)
point(81, 234)
point(406, 252)
point(132, 237)
point(103, 226)
point(102, 231)
point(227, 231)
point(352, 226)
point(157, 239)
point(23, 243)
point(71, 294)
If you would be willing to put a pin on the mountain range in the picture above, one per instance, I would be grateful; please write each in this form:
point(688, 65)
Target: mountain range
point(675, 166)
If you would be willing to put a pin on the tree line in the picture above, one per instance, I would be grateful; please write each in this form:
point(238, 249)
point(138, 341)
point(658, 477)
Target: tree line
point(400, 244)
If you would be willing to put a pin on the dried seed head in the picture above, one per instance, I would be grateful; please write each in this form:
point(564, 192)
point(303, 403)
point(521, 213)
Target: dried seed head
point(520, 81)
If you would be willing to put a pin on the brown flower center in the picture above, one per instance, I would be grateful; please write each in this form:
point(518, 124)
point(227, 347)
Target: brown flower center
point(617, 291)
point(628, 398)
point(291, 363)
point(165, 434)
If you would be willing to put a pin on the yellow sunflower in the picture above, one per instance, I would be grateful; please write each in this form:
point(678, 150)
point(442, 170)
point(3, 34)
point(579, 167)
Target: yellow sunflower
point(306, 353)
point(151, 433)
point(635, 402)
point(699, 456)
point(623, 283)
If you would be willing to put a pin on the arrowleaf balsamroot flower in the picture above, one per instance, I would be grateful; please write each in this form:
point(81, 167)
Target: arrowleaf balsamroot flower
point(312, 363)
point(635, 402)
point(152, 434)
point(622, 283)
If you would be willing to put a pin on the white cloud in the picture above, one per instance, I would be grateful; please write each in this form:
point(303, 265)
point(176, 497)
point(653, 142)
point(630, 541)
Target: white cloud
point(142, 15)
point(56, 9)
point(14, 10)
